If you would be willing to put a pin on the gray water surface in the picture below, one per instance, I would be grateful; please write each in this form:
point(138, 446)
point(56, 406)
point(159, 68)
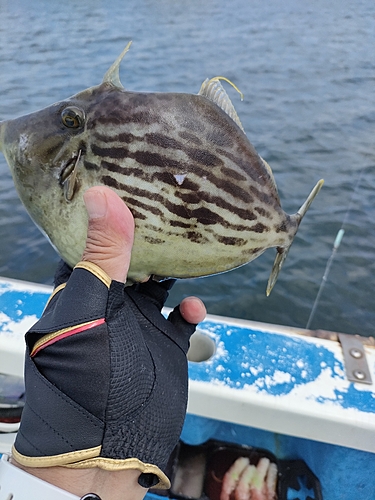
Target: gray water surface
point(306, 70)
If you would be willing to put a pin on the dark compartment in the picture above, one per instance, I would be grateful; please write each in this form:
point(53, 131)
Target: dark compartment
point(201, 473)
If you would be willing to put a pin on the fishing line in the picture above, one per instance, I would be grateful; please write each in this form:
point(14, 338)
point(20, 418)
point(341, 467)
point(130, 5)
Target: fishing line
point(336, 244)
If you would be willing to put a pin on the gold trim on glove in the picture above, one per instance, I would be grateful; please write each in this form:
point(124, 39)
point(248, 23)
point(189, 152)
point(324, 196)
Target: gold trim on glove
point(55, 460)
point(93, 269)
point(111, 464)
point(96, 271)
point(55, 292)
point(53, 337)
point(88, 459)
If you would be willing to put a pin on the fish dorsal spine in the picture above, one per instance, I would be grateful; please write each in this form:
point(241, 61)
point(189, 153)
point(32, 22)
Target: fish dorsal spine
point(213, 90)
point(113, 74)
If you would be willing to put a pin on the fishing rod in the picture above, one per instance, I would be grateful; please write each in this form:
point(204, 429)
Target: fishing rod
point(336, 244)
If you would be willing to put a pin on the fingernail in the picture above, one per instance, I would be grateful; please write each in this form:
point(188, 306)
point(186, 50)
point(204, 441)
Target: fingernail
point(96, 204)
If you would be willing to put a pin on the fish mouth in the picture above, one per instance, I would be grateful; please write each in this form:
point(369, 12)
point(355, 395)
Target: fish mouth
point(68, 176)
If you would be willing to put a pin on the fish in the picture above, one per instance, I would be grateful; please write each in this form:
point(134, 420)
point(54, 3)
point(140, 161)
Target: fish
point(203, 200)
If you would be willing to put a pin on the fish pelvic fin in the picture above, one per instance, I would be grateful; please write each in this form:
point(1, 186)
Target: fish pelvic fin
point(113, 74)
point(282, 252)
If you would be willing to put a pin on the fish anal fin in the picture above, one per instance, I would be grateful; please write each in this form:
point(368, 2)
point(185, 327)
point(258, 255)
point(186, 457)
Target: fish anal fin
point(281, 255)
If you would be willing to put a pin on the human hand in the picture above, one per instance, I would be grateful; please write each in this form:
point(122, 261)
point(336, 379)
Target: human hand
point(106, 373)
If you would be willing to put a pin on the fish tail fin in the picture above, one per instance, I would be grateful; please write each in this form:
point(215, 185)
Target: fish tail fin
point(282, 252)
point(301, 212)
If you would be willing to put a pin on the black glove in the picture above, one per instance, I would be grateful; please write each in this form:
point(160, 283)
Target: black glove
point(106, 377)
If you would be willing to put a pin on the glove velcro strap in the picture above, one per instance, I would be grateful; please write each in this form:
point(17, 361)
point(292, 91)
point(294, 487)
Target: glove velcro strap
point(52, 422)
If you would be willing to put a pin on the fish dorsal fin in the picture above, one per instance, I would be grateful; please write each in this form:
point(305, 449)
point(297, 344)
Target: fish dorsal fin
point(113, 74)
point(213, 90)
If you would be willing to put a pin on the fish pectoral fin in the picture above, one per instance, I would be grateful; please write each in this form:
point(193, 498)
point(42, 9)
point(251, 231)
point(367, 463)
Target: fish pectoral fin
point(215, 92)
point(281, 255)
point(69, 183)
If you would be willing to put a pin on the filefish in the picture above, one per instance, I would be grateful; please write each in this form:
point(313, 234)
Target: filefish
point(203, 200)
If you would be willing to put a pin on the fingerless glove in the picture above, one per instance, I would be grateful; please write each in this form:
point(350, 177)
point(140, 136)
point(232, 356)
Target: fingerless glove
point(105, 376)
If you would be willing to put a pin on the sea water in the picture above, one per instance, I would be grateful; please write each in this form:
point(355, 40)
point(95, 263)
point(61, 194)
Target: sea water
point(306, 70)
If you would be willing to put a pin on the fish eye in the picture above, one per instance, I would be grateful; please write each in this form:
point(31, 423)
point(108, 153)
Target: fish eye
point(72, 117)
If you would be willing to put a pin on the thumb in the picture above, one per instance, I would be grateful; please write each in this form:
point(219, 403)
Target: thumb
point(110, 232)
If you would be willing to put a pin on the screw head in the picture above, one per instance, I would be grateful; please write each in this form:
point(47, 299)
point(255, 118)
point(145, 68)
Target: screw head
point(359, 374)
point(356, 353)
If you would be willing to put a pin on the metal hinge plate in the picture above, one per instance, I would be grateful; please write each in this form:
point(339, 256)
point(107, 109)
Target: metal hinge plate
point(356, 366)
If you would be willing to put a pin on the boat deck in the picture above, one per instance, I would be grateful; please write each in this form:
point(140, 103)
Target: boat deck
point(254, 384)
